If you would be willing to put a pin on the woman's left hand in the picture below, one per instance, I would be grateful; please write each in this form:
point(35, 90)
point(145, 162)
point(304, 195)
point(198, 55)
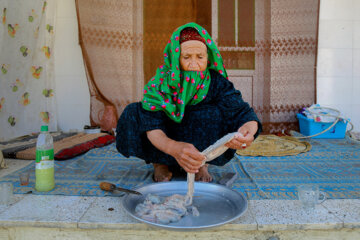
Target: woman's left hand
point(246, 137)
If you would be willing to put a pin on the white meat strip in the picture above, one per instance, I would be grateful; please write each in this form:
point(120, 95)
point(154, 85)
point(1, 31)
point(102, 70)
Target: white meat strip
point(171, 209)
point(190, 192)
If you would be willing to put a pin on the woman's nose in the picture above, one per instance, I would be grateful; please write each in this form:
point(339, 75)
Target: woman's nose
point(193, 63)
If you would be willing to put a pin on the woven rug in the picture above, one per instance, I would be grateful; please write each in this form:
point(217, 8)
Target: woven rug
point(333, 164)
point(272, 145)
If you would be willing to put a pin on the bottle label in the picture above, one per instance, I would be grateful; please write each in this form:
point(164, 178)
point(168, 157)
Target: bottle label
point(44, 159)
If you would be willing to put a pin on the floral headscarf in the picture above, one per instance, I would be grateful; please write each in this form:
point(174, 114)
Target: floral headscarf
point(171, 89)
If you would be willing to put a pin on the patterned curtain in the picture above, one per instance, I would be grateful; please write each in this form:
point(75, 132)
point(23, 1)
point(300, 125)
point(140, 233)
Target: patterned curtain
point(27, 70)
point(293, 48)
point(111, 43)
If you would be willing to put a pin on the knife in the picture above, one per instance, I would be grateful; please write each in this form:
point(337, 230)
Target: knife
point(106, 186)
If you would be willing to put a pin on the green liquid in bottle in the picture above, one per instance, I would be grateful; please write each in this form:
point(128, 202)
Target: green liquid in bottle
point(44, 179)
point(44, 170)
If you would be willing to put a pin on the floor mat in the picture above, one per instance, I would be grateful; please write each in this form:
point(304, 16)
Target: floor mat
point(272, 145)
point(333, 164)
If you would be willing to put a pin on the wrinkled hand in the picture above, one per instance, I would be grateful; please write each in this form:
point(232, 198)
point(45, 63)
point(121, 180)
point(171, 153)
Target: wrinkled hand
point(246, 136)
point(188, 157)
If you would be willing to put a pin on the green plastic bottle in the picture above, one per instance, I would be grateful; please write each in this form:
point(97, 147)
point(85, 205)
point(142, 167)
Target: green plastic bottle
point(44, 163)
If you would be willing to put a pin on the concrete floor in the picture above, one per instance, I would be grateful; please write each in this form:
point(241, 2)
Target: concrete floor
point(73, 217)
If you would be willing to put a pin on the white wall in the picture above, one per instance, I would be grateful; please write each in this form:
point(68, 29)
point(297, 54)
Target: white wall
point(338, 65)
point(72, 92)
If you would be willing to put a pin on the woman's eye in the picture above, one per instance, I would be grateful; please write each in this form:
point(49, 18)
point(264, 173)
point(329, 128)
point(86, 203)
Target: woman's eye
point(186, 57)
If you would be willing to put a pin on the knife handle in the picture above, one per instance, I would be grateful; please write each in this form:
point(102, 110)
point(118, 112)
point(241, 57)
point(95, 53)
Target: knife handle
point(107, 186)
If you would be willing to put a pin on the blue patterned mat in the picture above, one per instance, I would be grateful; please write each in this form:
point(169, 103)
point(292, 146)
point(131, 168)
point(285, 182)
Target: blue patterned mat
point(333, 164)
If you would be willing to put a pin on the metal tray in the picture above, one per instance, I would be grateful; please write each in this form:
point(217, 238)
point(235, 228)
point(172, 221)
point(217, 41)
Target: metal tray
point(217, 204)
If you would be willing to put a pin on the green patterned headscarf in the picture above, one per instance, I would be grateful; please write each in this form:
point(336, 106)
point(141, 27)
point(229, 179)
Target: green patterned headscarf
point(171, 89)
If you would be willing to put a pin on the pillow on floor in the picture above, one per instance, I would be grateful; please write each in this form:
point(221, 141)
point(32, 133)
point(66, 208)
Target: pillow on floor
point(81, 148)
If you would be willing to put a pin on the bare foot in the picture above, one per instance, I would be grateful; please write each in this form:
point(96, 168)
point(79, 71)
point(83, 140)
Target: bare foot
point(203, 175)
point(161, 173)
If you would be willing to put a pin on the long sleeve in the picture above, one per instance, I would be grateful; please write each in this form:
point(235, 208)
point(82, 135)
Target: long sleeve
point(222, 111)
point(229, 100)
point(132, 126)
point(151, 120)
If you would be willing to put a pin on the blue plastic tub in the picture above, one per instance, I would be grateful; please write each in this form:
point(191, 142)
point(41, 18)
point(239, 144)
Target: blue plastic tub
point(309, 127)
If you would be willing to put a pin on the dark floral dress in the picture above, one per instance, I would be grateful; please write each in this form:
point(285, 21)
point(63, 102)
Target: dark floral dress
point(221, 112)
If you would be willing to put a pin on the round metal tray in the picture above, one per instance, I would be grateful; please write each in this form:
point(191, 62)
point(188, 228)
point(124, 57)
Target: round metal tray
point(217, 204)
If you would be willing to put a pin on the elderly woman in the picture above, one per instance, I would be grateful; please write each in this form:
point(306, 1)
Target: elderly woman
point(188, 105)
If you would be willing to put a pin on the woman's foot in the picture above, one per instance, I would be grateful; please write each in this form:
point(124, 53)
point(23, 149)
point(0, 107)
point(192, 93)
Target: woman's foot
point(203, 175)
point(161, 173)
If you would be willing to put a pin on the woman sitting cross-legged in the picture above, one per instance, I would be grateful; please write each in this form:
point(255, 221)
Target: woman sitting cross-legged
point(188, 105)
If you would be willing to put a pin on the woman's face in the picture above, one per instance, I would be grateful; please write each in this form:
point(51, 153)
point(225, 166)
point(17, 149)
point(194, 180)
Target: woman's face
point(193, 56)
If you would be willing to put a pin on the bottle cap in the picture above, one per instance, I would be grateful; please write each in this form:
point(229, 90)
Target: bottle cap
point(44, 128)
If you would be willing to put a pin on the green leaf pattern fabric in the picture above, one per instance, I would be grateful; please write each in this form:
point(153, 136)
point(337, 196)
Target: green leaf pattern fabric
point(171, 89)
point(26, 67)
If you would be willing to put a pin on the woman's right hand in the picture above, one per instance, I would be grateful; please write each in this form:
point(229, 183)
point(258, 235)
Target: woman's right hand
point(188, 157)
